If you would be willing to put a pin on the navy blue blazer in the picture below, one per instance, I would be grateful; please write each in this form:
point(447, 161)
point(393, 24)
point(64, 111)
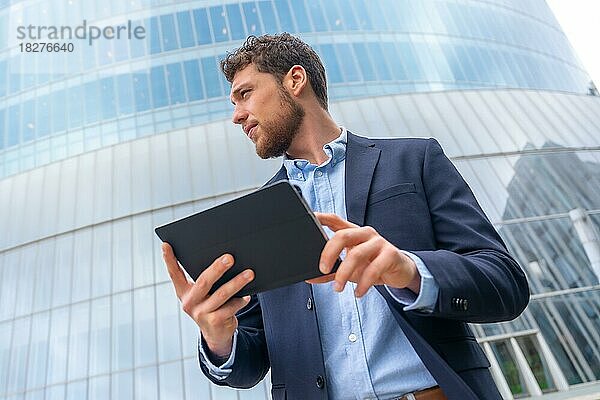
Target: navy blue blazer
point(410, 192)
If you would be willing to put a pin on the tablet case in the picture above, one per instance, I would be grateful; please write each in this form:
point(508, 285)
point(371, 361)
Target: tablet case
point(271, 231)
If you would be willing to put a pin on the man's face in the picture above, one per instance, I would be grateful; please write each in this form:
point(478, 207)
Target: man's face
point(267, 112)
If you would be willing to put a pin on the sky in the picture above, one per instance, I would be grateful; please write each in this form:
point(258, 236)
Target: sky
point(580, 20)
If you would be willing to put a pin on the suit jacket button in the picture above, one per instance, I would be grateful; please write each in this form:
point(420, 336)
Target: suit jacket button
point(466, 305)
point(320, 382)
point(309, 304)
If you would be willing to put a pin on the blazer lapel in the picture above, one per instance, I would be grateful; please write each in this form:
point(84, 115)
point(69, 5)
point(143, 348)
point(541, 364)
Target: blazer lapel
point(281, 175)
point(361, 159)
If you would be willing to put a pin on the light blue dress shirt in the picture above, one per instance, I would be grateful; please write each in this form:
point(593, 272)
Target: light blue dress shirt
point(366, 354)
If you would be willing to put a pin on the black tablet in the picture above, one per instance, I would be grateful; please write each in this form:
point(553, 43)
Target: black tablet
point(271, 231)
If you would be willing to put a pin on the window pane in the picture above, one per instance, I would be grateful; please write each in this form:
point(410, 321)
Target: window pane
point(159, 88)
point(91, 102)
point(61, 292)
point(14, 125)
point(153, 35)
point(38, 350)
point(2, 127)
point(83, 263)
point(301, 16)
point(251, 17)
point(268, 17)
point(142, 91)
point(100, 336)
point(125, 94)
point(121, 260)
point(236, 25)
point(171, 384)
point(219, 24)
point(144, 326)
point(332, 67)
point(78, 341)
point(101, 260)
point(192, 77)
point(59, 112)
point(18, 359)
point(28, 122)
point(145, 383)
point(122, 357)
point(99, 388)
point(75, 107)
point(186, 32)
point(169, 37)
point(176, 86)
point(58, 350)
point(167, 318)
point(285, 16)
point(108, 98)
point(122, 385)
point(211, 78)
point(364, 61)
point(202, 28)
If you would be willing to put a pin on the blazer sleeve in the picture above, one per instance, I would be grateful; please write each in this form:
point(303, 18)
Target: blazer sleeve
point(479, 281)
point(251, 362)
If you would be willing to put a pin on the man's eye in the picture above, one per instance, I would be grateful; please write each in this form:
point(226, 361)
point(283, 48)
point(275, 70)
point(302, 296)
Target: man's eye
point(244, 93)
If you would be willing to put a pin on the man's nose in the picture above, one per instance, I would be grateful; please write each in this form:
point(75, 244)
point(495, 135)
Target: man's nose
point(239, 115)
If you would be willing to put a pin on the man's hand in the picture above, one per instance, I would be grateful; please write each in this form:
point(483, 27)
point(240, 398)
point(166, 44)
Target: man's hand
point(214, 314)
point(370, 259)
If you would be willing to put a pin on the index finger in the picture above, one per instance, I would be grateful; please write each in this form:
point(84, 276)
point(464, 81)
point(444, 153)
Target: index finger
point(177, 276)
point(334, 222)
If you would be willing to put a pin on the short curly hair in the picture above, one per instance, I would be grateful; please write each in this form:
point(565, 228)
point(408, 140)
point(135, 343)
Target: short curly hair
point(276, 55)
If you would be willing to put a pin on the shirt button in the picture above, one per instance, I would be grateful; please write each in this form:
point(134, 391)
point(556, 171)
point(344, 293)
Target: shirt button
point(352, 337)
point(319, 174)
point(320, 382)
point(309, 304)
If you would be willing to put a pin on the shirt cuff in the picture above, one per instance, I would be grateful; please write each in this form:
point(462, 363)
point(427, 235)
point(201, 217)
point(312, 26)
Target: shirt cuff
point(425, 301)
point(219, 372)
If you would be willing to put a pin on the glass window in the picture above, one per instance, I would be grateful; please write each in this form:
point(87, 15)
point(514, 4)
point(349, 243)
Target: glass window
point(301, 15)
point(82, 259)
point(251, 17)
point(122, 385)
point(14, 125)
point(107, 98)
point(122, 332)
point(193, 80)
point(2, 127)
point(348, 20)
point(18, 358)
point(211, 78)
point(186, 32)
point(138, 46)
point(59, 111)
point(100, 336)
point(91, 102)
point(167, 320)
point(56, 392)
point(176, 85)
point(14, 77)
point(453, 62)
point(100, 265)
point(125, 94)
point(408, 59)
point(121, 261)
point(332, 66)
point(143, 271)
point(153, 35)
point(44, 270)
point(121, 47)
point(268, 16)
point(364, 21)
point(142, 91)
point(236, 24)
point(219, 23)
point(159, 87)
point(28, 122)
point(171, 382)
point(285, 16)
point(5, 340)
point(61, 292)
point(3, 77)
point(78, 341)
point(99, 388)
point(77, 390)
point(381, 67)
point(38, 350)
point(364, 61)
point(348, 63)
point(146, 383)
point(316, 13)
point(203, 35)
point(58, 349)
point(167, 30)
point(144, 325)
point(75, 103)
point(333, 15)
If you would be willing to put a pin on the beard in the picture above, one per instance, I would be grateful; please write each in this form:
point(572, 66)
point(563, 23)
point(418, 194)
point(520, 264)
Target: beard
point(280, 130)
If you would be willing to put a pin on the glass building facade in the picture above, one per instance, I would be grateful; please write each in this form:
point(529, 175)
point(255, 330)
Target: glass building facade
point(100, 145)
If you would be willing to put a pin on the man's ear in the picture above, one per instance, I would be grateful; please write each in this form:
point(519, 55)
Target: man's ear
point(296, 80)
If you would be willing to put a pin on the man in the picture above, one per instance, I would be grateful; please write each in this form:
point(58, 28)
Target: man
point(420, 261)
